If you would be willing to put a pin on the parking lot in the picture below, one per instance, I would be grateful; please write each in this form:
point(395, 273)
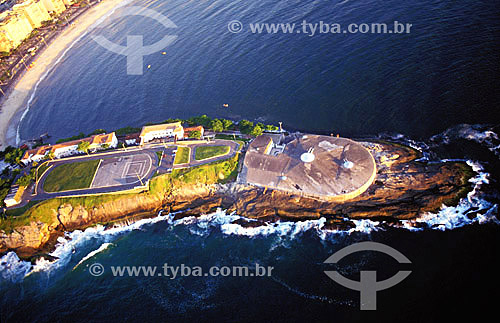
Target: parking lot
point(122, 170)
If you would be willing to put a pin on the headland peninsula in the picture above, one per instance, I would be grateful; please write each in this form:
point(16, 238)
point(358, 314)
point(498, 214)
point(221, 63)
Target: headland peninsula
point(195, 166)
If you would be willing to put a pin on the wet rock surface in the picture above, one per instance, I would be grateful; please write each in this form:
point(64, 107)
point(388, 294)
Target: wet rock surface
point(403, 189)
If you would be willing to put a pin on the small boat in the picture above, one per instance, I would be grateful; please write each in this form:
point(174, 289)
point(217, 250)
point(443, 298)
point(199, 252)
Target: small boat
point(225, 105)
point(164, 53)
point(149, 66)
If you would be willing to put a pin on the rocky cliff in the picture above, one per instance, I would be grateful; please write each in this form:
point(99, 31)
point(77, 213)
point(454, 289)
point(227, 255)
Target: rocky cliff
point(404, 189)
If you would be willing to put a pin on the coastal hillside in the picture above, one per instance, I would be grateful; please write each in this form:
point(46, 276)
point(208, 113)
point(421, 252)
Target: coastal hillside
point(404, 189)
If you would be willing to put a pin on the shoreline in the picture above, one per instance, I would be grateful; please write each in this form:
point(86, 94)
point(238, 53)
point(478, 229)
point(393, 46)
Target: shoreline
point(401, 201)
point(13, 105)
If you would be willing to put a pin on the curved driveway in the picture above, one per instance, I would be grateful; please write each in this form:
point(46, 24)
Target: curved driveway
point(150, 150)
point(233, 149)
point(41, 194)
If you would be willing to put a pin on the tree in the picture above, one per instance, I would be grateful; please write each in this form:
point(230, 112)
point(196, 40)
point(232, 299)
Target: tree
point(79, 136)
point(200, 120)
point(84, 146)
point(226, 123)
point(97, 132)
point(245, 126)
point(25, 180)
point(172, 120)
point(13, 155)
point(271, 127)
point(256, 131)
point(217, 125)
point(196, 134)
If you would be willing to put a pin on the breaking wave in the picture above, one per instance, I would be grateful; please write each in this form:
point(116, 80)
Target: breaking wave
point(474, 208)
point(482, 134)
point(12, 268)
point(471, 209)
point(103, 247)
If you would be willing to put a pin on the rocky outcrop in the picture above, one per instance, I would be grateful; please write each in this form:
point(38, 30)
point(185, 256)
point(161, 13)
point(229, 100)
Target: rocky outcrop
point(27, 239)
point(73, 217)
point(403, 189)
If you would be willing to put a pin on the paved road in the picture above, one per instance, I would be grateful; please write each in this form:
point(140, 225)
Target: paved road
point(233, 148)
point(150, 150)
point(41, 194)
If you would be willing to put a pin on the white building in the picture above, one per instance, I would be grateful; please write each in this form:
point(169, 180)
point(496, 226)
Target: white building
point(167, 130)
point(70, 148)
point(10, 199)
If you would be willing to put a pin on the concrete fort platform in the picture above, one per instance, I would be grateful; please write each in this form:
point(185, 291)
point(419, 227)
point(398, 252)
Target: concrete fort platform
point(329, 168)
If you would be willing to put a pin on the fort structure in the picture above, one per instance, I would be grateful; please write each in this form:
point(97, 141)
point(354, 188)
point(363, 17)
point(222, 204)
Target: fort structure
point(329, 168)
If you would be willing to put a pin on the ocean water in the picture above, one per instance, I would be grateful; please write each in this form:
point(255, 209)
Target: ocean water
point(444, 73)
point(435, 89)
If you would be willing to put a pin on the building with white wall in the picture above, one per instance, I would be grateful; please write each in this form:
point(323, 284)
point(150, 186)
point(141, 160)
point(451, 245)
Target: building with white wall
point(161, 131)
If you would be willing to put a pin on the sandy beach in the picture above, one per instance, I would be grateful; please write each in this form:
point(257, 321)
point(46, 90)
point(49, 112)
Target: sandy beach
point(18, 96)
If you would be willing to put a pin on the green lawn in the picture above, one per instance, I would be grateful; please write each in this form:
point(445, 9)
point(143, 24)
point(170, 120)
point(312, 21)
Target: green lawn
point(204, 152)
point(230, 137)
point(71, 176)
point(223, 171)
point(21, 210)
point(42, 168)
point(159, 154)
point(182, 155)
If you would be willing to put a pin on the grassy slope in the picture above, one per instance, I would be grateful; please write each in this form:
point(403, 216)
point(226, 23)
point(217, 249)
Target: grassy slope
point(71, 176)
point(204, 152)
point(45, 211)
point(42, 168)
point(217, 172)
point(182, 155)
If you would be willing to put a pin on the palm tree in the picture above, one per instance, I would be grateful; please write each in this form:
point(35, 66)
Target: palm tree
point(51, 155)
point(84, 146)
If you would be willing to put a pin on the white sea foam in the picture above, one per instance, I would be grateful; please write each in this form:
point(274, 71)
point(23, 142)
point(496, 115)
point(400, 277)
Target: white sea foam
point(481, 134)
point(103, 247)
point(67, 245)
point(447, 218)
point(364, 226)
point(471, 209)
point(12, 268)
point(312, 296)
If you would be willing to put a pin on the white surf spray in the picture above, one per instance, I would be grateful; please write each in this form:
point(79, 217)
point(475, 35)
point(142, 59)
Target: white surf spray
point(227, 225)
point(364, 226)
point(231, 224)
point(471, 209)
point(68, 245)
point(103, 247)
point(481, 134)
point(12, 268)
